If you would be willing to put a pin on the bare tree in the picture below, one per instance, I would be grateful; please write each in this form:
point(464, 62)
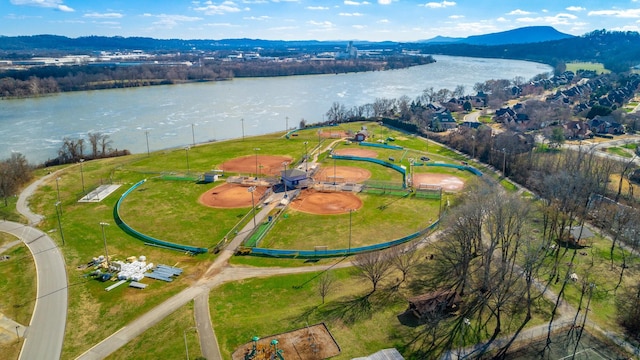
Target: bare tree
point(373, 266)
point(404, 258)
point(94, 141)
point(326, 281)
point(105, 143)
point(14, 172)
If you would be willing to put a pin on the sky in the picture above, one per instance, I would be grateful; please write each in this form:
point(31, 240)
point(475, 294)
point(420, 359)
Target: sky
point(372, 20)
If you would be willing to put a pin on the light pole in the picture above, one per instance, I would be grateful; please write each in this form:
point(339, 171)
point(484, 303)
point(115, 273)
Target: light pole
point(306, 156)
point(350, 212)
point(256, 151)
point(242, 121)
point(58, 211)
point(286, 124)
point(334, 170)
point(251, 189)
point(184, 335)
point(146, 134)
point(284, 173)
point(104, 240)
point(473, 150)
point(187, 152)
point(82, 174)
point(504, 162)
point(193, 135)
point(58, 188)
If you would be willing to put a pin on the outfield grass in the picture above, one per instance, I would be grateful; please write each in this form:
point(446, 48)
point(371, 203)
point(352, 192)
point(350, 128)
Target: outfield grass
point(165, 340)
point(381, 219)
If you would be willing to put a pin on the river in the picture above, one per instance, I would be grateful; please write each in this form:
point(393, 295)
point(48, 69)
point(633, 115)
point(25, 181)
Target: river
point(176, 115)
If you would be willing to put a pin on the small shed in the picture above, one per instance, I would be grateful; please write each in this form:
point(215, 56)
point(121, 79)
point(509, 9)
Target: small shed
point(436, 302)
point(293, 177)
point(210, 177)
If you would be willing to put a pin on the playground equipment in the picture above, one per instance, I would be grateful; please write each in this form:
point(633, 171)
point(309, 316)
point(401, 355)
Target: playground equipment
point(270, 352)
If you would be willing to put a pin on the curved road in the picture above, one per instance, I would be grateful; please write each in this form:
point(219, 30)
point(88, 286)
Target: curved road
point(45, 334)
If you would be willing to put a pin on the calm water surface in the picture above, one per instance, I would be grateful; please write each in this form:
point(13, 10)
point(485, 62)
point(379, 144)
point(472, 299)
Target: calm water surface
point(219, 110)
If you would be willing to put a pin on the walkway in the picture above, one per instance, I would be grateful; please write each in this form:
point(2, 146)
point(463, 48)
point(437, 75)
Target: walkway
point(45, 334)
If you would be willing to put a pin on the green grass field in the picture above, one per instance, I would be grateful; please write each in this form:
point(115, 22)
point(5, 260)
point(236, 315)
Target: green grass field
point(169, 210)
point(590, 66)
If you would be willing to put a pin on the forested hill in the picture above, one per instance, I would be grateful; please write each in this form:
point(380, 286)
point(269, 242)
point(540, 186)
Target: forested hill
point(618, 51)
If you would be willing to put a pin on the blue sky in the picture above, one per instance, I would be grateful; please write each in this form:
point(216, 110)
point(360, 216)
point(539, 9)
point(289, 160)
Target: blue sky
point(374, 20)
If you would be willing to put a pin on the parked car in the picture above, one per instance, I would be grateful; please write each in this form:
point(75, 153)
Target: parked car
point(424, 158)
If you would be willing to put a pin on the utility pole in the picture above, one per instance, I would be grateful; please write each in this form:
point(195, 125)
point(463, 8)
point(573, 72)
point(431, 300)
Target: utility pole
point(187, 151)
point(242, 120)
point(82, 174)
point(60, 222)
point(251, 189)
point(104, 239)
point(193, 135)
point(146, 134)
point(256, 151)
point(306, 156)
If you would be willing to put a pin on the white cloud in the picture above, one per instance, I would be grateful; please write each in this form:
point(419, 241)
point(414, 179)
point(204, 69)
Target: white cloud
point(439, 5)
point(559, 19)
point(385, 2)
point(626, 13)
point(52, 4)
point(210, 8)
point(359, 27)
point(519, 12)
point(454, 17)
point(501, 19)
point(257, 18)
point(317, 8)
point(321, 24)
point(229, 25)
point(350, 14)
point(575, 8)
point(170, 21)
point(96, 15)
point(356, 3)
point(383, 21)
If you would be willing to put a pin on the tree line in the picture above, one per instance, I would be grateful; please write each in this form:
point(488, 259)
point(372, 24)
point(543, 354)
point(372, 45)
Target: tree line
point(97, 145)
point(42, 80)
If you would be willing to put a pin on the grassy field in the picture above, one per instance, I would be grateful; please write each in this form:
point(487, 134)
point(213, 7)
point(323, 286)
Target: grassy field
point(383, 218)
point(169, 210)
point(17, 288)
point(166, 339)
point(590, 66)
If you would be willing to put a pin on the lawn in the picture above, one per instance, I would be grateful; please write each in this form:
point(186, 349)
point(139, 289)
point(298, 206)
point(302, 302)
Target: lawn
point(17, 286)
point(165, 340)
point(381, 219)
point(589, 66)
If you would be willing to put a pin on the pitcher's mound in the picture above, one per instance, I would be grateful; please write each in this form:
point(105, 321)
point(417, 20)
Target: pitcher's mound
point(229, 196)
point(266, 164)
point(326, 203)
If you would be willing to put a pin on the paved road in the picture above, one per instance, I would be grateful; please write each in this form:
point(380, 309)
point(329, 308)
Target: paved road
point(208, 341)
point(45, 334)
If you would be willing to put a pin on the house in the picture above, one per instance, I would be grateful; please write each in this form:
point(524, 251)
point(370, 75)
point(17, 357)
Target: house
point(361, 135)
point(605, 125)
point(293, 178)
point(434, 303)
point(577, 130)
point(443, 120)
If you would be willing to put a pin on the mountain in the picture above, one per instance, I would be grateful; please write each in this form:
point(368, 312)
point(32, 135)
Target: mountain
point(524, 35)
